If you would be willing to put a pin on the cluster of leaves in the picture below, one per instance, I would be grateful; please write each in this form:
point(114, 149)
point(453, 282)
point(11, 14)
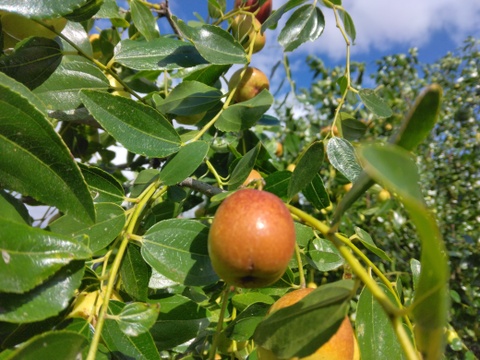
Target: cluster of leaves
point(123, 269)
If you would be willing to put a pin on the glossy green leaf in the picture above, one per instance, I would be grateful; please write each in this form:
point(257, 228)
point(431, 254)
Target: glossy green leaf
point(368, 242)
point(206, 74)
point(60, 91)
point(31, 255)
point(85, 12)
point(303, 234)
point(32, 144)
point(308, 323)
point(12, 209)
point(243, 168)
point(45, 300)
point(144, 20)
point(77, 34)
point(324, 255)
point(316, 193)
point(180, 320)
point(375, 334)
point(190, 97)
point(394, 167)
point(158, 54)
point(184, 163)
point(144, 178)
point(277, 183)
point(137, 318)
point(375, 103)
point(123, 345)
point(141, 129)
point(243, 326)
point(243, 115)
point(279, 12)
point(353, 129)
point(348, 25)
point(214, 44)
point(341, 155)
point(40, 9)
point(420, 120)
point(61, 344)
point(308, 165)
point(243, 300)
point(305, 24)
point(177, 248)
point(103, 186)
point(135, 274)
point(33, 61)
point(110, 222)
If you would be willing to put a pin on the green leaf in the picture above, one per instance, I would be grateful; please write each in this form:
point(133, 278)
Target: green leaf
point(40, 9)
point(141, 129)
point(33, 61)
point(375, 334)
point(243, 326)
point(308, 323)
point(206, 74)
point(243, 300)
point(12, 209)
point(243, 115)
point(213, 43)
point(61, 344)
point(305, 24)
point(352, 129)
point(32, 144)
point(325, 255)
point(85, 12)
point(184, 163)
point(342, 157)
point(110, 222)
point(135, 274)
point(394, 167)
point(60, 91)
point(158, 54)
point(367, 241)
point(308, 165)
point(415, 267)
point(123, 345)
point(177, 249)
point(316, 193)
point(103, 186)
point(420, 120)
point(243, 168)
point(190, 97)
point(31, 255)
point(45, 300)
point(374, 103)
point(348, 25)
point(277, 183)
point(137, 318)
point(144, 20)
point(279, 12)
point(180, 320)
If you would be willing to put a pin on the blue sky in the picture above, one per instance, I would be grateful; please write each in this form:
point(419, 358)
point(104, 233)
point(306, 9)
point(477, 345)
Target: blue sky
point(383, 28)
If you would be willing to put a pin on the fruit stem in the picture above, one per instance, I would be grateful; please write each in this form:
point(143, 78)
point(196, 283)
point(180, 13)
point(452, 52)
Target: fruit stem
point(301, 273)
point(218, 330)
point(113, 272)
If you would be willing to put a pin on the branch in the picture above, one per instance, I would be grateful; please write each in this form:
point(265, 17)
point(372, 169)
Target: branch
point(200, 186)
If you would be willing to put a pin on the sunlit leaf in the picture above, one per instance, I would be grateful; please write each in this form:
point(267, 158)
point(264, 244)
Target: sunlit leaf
point(137, 318)
point(341, 155)
point(375, 103)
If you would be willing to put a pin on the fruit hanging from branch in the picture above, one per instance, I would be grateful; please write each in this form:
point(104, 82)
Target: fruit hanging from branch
point(262, 12)
point(249, 85)
point(341, 346)
point(252, 239)
point(246, 29)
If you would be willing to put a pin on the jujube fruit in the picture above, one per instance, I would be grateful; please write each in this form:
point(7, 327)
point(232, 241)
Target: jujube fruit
point(252, 239)
point(341, 346)
point(248, 86)
point(246, 29)
point(253, 6)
